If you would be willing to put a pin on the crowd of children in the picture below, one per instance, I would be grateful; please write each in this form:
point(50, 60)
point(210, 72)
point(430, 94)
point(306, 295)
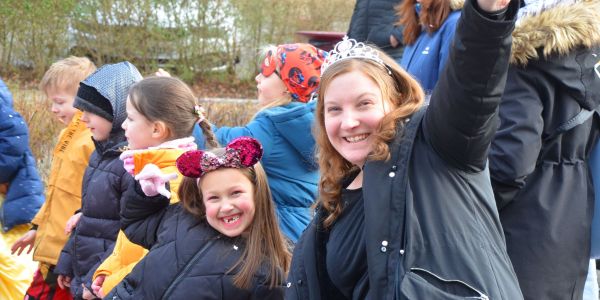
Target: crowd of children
point(377, 195)
point(115, 165)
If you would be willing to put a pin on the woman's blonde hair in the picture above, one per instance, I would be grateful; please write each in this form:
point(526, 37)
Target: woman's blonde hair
point(171, 101)
point(265, 241)
point(397, 87)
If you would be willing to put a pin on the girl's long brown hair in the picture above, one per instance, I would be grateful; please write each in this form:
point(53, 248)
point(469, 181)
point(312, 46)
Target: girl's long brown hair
point(399, 88)
point(171, 101)
point(265, 241)
point(432, 16)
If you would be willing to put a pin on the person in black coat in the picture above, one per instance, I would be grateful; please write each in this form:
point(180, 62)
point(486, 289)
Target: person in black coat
point(406, 208)
point(373, 21)
point(540, 174)
point(221, 241)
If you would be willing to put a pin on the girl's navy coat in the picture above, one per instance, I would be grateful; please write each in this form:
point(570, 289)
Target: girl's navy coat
point(25, 192)
point(431, 225)
point(188, 259)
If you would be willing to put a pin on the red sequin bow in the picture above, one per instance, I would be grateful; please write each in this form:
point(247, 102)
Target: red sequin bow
point(242, 152)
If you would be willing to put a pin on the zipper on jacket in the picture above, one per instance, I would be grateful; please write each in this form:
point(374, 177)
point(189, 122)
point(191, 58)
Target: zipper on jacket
point(187, 268)
point(481, 296)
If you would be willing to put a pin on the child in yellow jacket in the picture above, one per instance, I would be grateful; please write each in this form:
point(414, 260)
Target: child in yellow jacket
point(161, 115)
point(63, 189)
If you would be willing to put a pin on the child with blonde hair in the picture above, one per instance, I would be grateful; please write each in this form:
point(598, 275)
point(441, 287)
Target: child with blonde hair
point(63, 189)
point(161, 115)
point(220, 242)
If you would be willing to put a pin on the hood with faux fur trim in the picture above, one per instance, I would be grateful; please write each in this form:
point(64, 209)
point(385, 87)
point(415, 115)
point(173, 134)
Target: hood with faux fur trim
point(558, 30)
point(457, 4)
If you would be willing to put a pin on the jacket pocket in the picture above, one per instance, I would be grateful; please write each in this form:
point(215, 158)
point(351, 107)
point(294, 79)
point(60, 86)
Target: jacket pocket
point(422, 284)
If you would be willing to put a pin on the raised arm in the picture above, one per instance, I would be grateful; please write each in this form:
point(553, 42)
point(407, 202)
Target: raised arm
point(461, 120)
point(491, 6)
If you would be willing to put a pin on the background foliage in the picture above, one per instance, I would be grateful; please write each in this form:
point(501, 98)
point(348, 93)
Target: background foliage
point(187, 37)
point(44, 128)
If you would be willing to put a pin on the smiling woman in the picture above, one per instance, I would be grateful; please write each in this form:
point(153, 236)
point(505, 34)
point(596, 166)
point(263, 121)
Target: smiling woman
point(406, 186)
point(352, 117)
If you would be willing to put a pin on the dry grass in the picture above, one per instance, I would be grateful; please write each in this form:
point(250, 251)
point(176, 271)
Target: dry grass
point(44, 128)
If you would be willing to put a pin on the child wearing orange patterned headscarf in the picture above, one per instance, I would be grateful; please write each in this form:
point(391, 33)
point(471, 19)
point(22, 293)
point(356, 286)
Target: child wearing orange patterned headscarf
point(289, 76)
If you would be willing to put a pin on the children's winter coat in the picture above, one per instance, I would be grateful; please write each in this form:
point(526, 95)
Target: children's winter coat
point(20, 197)
point(104, 183)
point(63, 191)
point(24, 195)
point(188, 259)
point(127, 254)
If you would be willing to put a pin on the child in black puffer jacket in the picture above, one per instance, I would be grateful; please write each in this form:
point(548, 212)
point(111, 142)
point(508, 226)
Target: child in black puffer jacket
point(102, 98)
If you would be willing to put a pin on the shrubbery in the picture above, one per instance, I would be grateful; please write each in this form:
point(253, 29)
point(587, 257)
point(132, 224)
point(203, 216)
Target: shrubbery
point(187, 37)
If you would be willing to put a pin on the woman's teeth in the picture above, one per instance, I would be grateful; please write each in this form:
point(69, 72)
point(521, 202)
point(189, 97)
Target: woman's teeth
point(356, 138)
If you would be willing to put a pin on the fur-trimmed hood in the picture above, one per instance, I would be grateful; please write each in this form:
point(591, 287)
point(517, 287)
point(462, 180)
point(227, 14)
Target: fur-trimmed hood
point(457, 4)
point(558, 30)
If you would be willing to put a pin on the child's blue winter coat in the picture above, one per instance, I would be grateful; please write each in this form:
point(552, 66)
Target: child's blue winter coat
point(25, 193)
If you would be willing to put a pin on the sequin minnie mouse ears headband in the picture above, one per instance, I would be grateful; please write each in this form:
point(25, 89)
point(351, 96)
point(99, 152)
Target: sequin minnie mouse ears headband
point(242, 152)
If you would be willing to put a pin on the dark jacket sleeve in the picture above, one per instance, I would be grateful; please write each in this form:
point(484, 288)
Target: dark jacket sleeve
point(518, 142)
point(64, 266)
point(461, 120)
point(142, 215)
point(380, 35)
point(373, 21)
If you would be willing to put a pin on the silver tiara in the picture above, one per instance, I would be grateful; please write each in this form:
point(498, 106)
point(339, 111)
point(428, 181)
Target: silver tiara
point(350, 48)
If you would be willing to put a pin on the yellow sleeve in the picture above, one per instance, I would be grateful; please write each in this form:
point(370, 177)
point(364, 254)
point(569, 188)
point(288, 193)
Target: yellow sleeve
point(124, 257)
point(111, 281)
point(40, 214)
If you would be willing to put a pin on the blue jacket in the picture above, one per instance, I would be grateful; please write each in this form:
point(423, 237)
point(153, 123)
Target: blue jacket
point(288, 159)
point(25, 193)
point(426, 58)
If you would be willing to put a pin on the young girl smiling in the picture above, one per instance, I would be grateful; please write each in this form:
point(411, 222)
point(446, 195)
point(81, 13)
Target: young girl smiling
point(220, 242)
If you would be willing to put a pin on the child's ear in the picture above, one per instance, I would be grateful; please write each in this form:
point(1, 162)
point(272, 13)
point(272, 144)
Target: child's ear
point(160, 130)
